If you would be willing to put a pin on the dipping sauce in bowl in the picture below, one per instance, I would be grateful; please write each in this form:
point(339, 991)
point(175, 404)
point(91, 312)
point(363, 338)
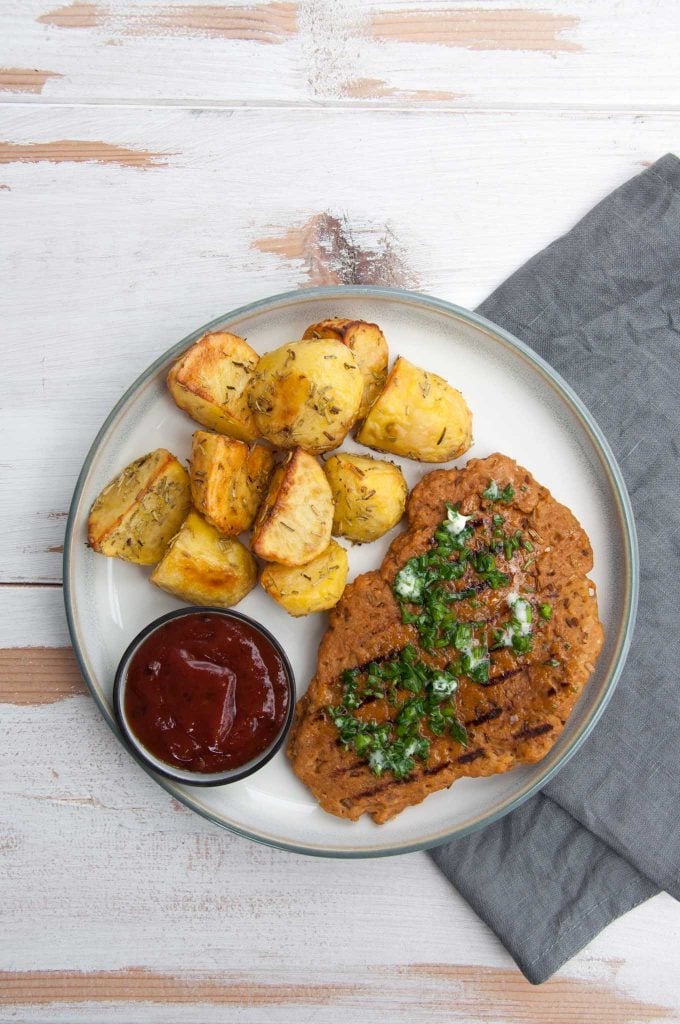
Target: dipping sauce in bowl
point(205, 693)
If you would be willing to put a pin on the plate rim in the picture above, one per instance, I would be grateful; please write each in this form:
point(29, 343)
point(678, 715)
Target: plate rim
point(599, 443)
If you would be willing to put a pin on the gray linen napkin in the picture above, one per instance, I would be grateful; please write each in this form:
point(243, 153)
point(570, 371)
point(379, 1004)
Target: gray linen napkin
point(602, 305)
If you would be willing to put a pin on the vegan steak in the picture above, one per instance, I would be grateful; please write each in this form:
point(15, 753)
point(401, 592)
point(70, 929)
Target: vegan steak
point(462, 655)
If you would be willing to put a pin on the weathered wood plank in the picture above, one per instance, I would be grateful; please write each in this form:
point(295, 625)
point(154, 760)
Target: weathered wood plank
point(32, 617)
point(476, 28)
point(413, 992)
point(75, 151)
point(38, 675)
point(24, 80)
point(268, 22)
point(386, 52)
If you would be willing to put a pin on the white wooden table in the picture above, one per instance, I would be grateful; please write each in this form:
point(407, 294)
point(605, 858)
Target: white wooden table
point(160, 163)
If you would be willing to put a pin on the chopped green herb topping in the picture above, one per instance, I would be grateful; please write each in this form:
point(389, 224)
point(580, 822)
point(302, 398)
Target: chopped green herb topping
point(494, 493)
point(409, 583)
point(518, 633)
point(395, 745)
point(455, 523)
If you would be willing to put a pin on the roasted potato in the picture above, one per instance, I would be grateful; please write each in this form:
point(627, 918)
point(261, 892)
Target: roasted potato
point(209, 382)
point(369, 346)
point(306, 394)
point(313, 587)
point(369, 495)
point(418, 415)
point(228, 480)
point(203, 567)
point(294, 523)
point(138, 513)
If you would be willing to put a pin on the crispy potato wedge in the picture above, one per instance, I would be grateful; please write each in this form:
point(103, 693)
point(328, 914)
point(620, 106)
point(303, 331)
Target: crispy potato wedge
point(294, 523)
point(139, 512)
point(313, 587)
point(228, 480)
point(306, 394)
point(209, 382)
point(369, 345)
point(203, 567)
point(419, 416)
point(369, 495)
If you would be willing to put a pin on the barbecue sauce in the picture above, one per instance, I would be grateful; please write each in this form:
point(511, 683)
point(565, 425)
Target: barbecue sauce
point(207, 693)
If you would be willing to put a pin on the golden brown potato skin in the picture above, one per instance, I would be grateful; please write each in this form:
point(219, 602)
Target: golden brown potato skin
point(228, 480)
point(369, 495)
point(294, 523)
point(314, 587)
point(369, 345)
point(306, 394)
point(203, 567)
point(138, 512)
point(209, 382)
point(418, 416)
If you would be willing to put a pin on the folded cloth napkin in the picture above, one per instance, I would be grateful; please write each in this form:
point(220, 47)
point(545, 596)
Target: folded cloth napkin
point(602, 305)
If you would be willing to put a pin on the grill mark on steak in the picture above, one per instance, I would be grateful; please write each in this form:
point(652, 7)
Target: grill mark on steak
point(488, 716)
point(528, 732)
point(437, 768)
point(473, 755)
point(502, 676)
point(381, 788)
point(377, 661)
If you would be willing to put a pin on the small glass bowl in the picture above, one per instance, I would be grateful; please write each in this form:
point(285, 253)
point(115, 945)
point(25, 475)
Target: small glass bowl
point(186, 776)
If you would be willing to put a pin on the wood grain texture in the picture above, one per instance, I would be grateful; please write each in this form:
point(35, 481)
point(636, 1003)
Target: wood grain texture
point(428, 992)
point(376, 88)
point(32, 617)
point(75, 151)
point(333, 252)
point(74, 16)
point(418, 52)
point(38, 675)
point(25, 80)
point(479, 28)
point(256, 23)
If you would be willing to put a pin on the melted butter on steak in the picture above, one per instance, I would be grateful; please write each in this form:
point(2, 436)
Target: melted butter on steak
point(515, 716)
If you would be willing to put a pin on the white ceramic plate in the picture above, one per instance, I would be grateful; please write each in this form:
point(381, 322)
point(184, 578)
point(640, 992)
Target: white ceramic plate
point(520, 407)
